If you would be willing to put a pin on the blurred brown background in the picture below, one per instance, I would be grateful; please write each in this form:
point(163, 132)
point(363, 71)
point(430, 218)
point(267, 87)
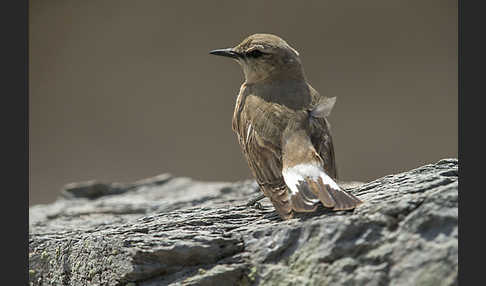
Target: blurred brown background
point(123, 90)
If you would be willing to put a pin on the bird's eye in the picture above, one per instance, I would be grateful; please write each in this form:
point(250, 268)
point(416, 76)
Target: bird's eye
point(254, 54)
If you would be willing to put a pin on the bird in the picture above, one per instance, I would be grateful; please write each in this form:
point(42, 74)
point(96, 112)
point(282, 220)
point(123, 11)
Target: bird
point(282, 126)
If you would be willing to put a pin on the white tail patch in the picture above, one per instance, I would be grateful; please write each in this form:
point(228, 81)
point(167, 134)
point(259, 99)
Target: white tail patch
point(309, 184)
point(297, 174)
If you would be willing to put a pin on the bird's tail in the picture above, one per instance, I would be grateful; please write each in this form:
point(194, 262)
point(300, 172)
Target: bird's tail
point(303, 169)
point(309, 185)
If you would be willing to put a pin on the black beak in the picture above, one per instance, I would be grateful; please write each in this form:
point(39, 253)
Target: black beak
point(225, 53)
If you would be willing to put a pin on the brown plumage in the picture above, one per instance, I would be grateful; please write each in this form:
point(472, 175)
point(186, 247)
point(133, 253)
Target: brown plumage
point(282, 128)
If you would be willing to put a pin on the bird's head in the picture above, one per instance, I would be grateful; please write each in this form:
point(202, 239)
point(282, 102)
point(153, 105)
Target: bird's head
point(265, 57)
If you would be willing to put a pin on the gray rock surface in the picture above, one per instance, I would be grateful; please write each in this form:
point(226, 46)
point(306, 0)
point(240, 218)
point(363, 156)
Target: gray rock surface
point(176, 231)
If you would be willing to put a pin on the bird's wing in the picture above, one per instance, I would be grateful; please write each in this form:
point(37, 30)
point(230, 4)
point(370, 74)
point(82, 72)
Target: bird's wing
point(262, 153)
point(321, 139)
point(320, 130)
point(265, 163)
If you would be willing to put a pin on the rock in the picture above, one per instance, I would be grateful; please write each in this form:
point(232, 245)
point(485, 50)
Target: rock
point(177, 231)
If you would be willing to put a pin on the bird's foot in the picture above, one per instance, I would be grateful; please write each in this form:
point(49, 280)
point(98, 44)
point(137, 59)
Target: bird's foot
point(256, 201)
point(258, 206)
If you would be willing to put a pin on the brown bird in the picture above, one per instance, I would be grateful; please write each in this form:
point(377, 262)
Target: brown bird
point(282, 127)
